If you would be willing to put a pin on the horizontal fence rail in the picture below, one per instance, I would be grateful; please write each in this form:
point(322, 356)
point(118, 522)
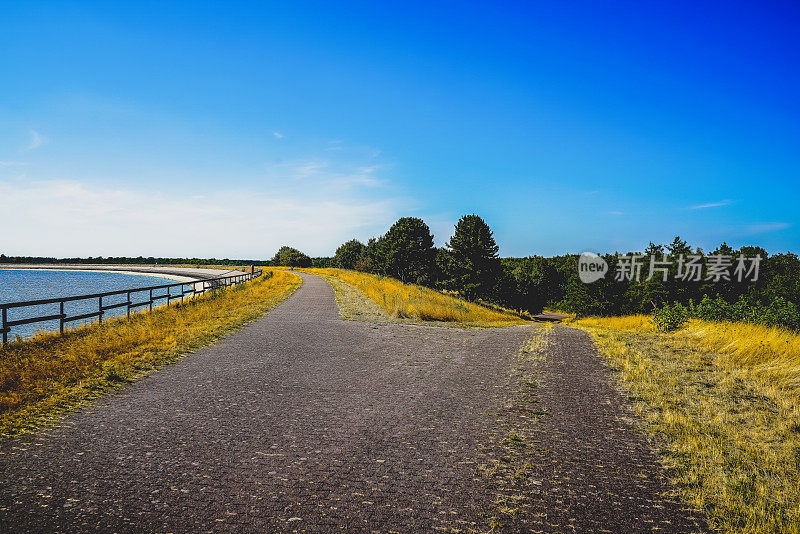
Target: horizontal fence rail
point(152, 295)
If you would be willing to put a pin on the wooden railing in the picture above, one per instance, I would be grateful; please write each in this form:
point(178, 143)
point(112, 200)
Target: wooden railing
point(184, 289)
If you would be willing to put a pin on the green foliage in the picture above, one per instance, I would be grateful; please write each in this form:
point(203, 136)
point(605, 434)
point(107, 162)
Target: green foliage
point(670, 317)
point(469, 265)
point(405, 252)
point(526, 285)
point(114, 371)
point(678, 247)
point(322, 262)
point(781, 312)
point(770, 300)
point(349, 255)
point(778, 312)
point(474, 268)
point(290, 257)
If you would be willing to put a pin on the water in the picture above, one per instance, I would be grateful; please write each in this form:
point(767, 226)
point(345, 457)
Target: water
point(21, 285)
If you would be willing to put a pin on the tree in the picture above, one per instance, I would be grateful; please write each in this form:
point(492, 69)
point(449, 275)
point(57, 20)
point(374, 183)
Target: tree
point(724, 249)
point(527, 283)
point(653, 290)
point(348, 254)
point(475, 267)
point(654, 250)
point(290, 257)
point(680, 290)
point(406, 252)
point(678, 246)
point(443, 262)
point(369, 262)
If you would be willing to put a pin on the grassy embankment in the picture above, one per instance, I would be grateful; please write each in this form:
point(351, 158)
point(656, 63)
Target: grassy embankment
point(50, 374)
point(725, 400)
point(406, 301)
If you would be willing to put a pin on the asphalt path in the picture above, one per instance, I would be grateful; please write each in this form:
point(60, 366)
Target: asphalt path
point(302, 421)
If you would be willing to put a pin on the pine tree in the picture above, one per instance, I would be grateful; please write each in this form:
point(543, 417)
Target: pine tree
point(475, 267)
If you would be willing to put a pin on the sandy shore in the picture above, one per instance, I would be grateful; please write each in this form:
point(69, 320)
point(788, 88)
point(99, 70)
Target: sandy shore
point(178, 274)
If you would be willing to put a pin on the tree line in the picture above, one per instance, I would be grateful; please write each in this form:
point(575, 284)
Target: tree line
point(470, 266)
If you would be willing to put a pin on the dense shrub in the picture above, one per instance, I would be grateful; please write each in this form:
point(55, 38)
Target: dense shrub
point(349, 255)
point(670, 317)
point(290, 257)
point(779, 312)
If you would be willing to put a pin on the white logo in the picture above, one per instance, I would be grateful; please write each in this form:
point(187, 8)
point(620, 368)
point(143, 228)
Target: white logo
point(591, 267)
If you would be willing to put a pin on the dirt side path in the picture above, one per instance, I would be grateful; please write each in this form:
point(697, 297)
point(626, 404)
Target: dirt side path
point(592, 468)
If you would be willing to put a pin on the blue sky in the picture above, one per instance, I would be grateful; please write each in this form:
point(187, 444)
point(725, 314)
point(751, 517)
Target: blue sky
point(227, 129)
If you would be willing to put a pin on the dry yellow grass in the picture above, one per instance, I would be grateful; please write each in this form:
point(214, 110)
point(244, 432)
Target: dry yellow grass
point(766, 351)
point(628, 322)
point(771, 353)
point(724, 399)
point(415, 302)
point(49, 374)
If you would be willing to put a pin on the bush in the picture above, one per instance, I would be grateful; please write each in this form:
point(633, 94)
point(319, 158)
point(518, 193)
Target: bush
point(670, 317)
point(780, 312)
point(349, 255)
point(290, 257)
point(716, 309)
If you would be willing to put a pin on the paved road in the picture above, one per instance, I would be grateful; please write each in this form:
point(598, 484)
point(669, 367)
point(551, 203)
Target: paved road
point(302, 421)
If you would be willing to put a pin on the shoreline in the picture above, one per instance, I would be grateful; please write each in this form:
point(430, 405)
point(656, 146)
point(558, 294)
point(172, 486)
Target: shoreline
point(177, 274)
point(132, 273)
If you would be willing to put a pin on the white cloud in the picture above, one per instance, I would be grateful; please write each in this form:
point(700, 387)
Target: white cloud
point(67, 218)
point(767, 227)
point(717, 204)
point(328, 174)
point(615, 213)
point(12, 164)
point(37, 140)
point(277, 135)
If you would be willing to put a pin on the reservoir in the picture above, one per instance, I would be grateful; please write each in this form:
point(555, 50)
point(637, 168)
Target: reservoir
point(18, 285)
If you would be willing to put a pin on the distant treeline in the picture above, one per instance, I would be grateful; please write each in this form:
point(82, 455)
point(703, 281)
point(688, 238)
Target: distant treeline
point(771, 298)
point(766, 290)
point(469, 265)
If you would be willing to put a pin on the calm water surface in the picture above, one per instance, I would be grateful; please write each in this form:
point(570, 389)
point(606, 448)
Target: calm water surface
point(21, 285)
